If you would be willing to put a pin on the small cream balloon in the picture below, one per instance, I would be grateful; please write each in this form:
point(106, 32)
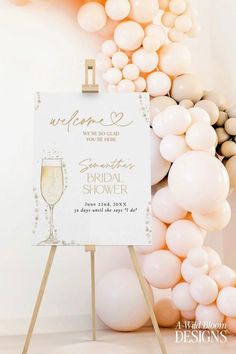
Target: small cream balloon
point(117, 12)
point(175, 36)
point(173, 146)
point(159, 104)
point(230, 126)
point(103, 62)
point(223, 116)
point(213, 257)
point(151, 43)
point(156, 30)
point(175, 59)
point(226, 301)
point(182, 297)
point(211, 109)
point(183, 23)
point(204, 289)
point(217, 98)
point(200, 136)
point(145, 60)
point(143, 11)
point(158, 84)
point(177, 6)
point(168, 19)
point(92, 16)
point(221, 135)
point(119, 60)
point(109, 47)
point(162, 269)
point(197, 256)
point(113, 76)
point(131, 72)
point(223, 275)
point(182, 235)
point(165, 208)
point(187, 104)
point(129, 35)
point(199, 115)
point(189, 271)
point(140, 84)
point(126, 86)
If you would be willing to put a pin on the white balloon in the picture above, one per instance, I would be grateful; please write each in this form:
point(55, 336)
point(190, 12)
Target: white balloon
point(182, 297)
point(165, 208)
point(159, 166)
point(158, 84)
point(199, 115)
point(198, 181)
point(159, 104)
point(172, 146)
point(204, 289)
point(175, 59)
point(213, 257)
point(197, 256)
point(173, 120)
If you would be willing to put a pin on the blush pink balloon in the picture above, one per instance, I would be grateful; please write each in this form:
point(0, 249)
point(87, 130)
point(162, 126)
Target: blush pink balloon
point(182, 235)
point(159, 166)
point(189, 272)
point(208, 316)
point(226, 301)
point(120, 302)
point(167, 314)
point(162, 269)
point(188, 315)
point(182, 297)
point(213, 257)
point(216, 220)
point(158, 238)
point(231, 324)
point(223, 275)
point(165, 208)
point(204, 289)
point(199, 182)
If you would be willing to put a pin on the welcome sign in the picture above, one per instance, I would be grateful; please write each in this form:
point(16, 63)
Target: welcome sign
point(92, 169)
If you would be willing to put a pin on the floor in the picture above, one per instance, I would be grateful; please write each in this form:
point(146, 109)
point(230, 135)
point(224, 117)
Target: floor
point(142, 342)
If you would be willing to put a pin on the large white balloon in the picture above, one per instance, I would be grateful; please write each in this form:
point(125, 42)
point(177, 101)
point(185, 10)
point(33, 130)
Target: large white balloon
point(159, 166)
point(165, 208)
point(120, 302)
point(198, 181)
point(216, 220)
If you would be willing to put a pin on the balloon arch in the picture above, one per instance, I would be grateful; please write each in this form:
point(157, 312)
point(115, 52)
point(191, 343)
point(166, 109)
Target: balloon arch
point(193, 154)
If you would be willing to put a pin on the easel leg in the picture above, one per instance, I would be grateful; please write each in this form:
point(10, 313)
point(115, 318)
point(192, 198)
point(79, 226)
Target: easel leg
point(92, 255)
point(39, 298)
point(143, 285)
point(92, 250)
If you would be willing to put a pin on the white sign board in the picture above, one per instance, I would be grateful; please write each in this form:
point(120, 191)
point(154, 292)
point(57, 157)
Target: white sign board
point(92, 169)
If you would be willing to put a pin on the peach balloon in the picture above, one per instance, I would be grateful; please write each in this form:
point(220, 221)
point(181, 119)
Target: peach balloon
point(145, 60)
point(187, 104)
point(231, 324)
point(226, 301)
point(164, 4)
point(200, 136)
point(168, 19)
point(173, 120)
point(131, 72)
point(165, 208)
point(177, 6)
point(175, 36)
point(158, 238)
point(188, 315)
point(183, 23)
point(151, 43)
point(175, 59)
point(213, 257)
point(117, 11)
point(113, 76)
point(129, 35)
point(159, 166)
point(103, 62)
point(189, 272)
point(162, 269)
point(204, 289)
point(216, 220)
point(158, 84)
point(208, 316)
point(182, 235)
point(172, 146)
point(120, 302)
point(182, 297)
point(143, 11)
point(187, 86)
point(159, 104)
point(199, 115)
point(92, 17)
point(198, 181)
point(119, 60)
point(223, 275)
point(197, 256)
point(167, 314)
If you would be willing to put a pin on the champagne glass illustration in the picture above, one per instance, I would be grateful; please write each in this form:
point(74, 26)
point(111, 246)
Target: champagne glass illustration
point(52, 186)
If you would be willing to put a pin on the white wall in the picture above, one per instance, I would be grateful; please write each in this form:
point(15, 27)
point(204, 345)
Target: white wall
point(41, 50)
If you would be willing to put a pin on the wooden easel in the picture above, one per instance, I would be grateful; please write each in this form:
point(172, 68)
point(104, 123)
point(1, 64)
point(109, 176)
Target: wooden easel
point(93, 87)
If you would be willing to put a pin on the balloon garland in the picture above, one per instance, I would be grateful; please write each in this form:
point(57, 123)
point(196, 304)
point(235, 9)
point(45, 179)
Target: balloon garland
point(192, 133)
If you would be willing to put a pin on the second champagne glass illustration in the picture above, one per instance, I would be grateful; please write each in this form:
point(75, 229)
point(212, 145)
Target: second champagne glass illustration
point(52, 187)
